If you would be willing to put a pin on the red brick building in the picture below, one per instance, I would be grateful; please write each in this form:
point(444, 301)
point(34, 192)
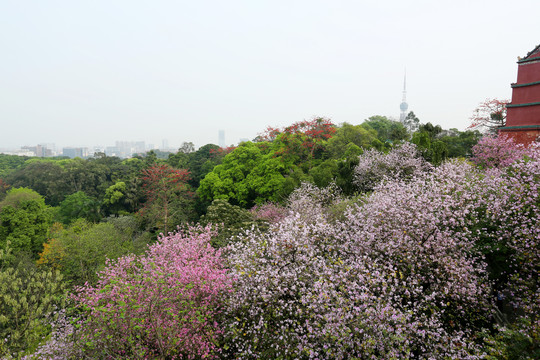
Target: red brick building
point(523, 112)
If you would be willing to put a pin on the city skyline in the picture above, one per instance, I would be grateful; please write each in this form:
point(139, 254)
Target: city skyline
point(84, 74)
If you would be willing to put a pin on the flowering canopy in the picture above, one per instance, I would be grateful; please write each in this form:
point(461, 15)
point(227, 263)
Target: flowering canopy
point(403, 275)
point(374, 166)
point(161, 304)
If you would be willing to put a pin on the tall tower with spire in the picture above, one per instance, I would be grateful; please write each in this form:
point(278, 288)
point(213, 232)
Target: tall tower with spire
point(404, 106)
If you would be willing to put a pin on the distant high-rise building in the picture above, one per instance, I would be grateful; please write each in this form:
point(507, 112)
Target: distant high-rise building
point(49, 149)
point(38, 150)
point(112, 151)
point(404, 106)
point(126, 149)
point(73, 152)
point(164, 144)
point(140, 147)
point(221, 138)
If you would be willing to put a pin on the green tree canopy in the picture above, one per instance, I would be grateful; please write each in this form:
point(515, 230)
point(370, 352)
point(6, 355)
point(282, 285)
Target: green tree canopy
point(460, 143)
point(388, 131)
point(82, 249)
point(229, 220)
point(78, 205)
point(24, 220)
point(246, 176)
point(348, 139)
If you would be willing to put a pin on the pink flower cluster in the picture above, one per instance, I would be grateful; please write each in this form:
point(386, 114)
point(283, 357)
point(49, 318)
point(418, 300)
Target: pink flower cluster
point(499, 151)
point(271, 212)
point(163, 304)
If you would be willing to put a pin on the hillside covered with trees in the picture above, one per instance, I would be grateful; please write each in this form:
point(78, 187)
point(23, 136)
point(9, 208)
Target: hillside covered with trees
point(315, 240)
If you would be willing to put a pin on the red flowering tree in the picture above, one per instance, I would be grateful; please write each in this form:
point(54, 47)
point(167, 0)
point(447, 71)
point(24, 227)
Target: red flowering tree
point(221, 152)
point(4, 187)
point(301, 139)
point(490, 115)
point(165, 189)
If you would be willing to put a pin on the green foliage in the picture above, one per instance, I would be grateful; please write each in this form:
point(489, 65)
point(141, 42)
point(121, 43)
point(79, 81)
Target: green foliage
point(54, 180)
point(44, 177)
point(128, 228)
point(9, 163)
point(4, 187)
point(432, 130)
point(422, 140)
point(246, 176)
point(509, 343)
point(345, 175)
point(439, 152)
point(115, 199)
point(349, 140)
point(459, 143)
point(411, 121)
point(229, 220)
point(15, 197)
point(302, 143)
point(81, 250)
point(78, 205)
point(324, 173)
point(28, 298)
point(24, 220)
point(431, 149)
point(388, 131)
point(199, 163)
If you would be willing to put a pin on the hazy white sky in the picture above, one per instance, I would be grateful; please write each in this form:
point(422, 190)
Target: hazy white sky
point(92, 72)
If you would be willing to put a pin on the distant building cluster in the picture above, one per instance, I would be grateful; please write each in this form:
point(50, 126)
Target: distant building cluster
point(73, 152)
point(121, 149)
point(126, 149)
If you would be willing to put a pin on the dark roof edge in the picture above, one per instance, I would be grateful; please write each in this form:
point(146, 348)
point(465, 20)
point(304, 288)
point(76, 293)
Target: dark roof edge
point(527, 84)
point(519, 127)
point(522, 105)
point(526, 58)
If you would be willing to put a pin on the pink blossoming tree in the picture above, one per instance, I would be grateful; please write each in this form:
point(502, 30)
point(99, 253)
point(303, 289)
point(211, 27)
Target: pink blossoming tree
point(160, 305)
point(498, 151)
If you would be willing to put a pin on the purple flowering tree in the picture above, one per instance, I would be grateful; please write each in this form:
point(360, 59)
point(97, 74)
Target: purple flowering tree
point(374, 167)
point(398, 278)
point(513, 244)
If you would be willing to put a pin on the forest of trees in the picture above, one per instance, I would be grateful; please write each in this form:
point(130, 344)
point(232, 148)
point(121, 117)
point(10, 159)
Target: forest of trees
point(315, 240)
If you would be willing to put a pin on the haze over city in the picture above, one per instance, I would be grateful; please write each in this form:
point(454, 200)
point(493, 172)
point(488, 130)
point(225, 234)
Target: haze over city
point(92, 73)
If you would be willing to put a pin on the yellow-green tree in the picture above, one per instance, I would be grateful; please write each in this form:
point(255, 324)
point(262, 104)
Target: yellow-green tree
point(27, 302)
